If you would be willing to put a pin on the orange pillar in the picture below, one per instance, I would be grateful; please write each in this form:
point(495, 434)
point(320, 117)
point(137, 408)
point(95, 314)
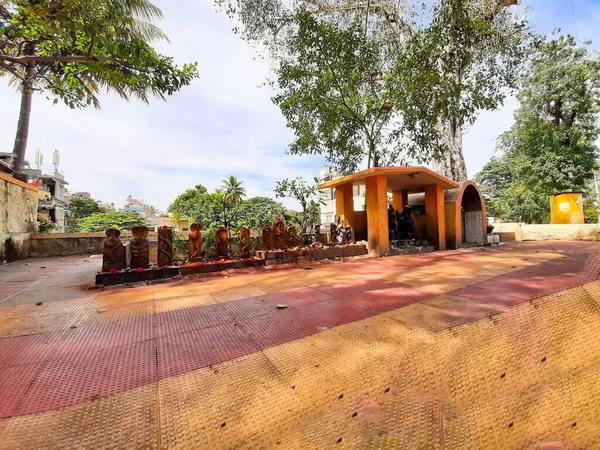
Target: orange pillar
point(399, 199)
point(344, 204)
point(435, 219)
point(377, 216)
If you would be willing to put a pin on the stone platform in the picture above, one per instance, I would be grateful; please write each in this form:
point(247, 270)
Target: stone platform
point(316, 254)
point(215, 266)
point(480, 348)
point(266, 258)
point(132, 276)
point(409, 250)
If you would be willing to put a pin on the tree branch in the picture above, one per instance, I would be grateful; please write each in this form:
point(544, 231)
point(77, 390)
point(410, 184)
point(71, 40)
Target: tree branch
point(64, 59)
point(6, 67)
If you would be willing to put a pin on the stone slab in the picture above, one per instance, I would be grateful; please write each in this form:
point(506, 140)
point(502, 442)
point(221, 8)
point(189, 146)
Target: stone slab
point(411, 250)
point(132, 276)
point(193, 268)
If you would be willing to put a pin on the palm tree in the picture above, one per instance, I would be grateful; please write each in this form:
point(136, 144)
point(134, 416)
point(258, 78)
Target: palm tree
point(233, 190)
point(233, 193)
point(32, 75)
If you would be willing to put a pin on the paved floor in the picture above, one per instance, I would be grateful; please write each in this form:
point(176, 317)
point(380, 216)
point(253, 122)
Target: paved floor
point(43, 280)
point(482, 348)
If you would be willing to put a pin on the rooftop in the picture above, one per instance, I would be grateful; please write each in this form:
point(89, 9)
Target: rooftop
point(410, 178)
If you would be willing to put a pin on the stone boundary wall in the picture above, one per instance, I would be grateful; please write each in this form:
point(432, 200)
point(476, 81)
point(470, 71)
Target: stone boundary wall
point(18, 217)
point(46, 245)
point(544, 232)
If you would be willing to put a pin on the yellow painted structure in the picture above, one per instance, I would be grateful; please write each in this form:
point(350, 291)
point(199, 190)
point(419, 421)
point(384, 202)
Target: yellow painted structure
point(400, 181)
point(566, 207)
point(464, 211)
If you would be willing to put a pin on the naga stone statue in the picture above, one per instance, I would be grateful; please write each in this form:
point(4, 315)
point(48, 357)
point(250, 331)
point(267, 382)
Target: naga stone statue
point(140, 248)
point(279, 234)
point(267, 236)
point(318, 235)
point(333, 230)
point(245, 238)
point(113, 255)
point(195, 242)
point(291, 236)
point(165, 247)
point(222, 242)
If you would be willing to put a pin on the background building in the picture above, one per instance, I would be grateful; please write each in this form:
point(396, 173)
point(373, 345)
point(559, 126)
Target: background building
point(328, 211)
point(135, 205)
point(51, 196)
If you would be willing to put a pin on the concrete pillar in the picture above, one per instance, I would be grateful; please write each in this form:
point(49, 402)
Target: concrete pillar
point(399, 199)
point(377, 216)
point(344, 204)
point(435, 219)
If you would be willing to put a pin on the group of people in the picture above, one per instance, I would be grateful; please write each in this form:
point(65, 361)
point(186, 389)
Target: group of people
point(400, 223)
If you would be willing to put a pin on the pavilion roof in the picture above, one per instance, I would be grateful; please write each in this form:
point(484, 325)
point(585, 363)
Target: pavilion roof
point(409, 178)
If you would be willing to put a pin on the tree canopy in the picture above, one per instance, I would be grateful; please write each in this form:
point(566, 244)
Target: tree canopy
point(307, 195)
point(213, 209)
point(336, 64)
point(103, 221)
point(78, 209)
point(551, 146)
point(71, 49)
point(188, 205)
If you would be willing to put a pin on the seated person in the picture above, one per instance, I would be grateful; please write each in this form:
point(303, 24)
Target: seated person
point(407, 225)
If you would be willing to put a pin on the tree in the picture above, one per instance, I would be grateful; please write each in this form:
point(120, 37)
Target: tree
point(78, 209)
point(199, 205)
point(507, 197)
point(233, 190)
point(255, 212)
point(188, 204)
point(103, 221)
point(552, 145)
point(325, 98)
point(71, 49)
point(305, 194)
point(438, 72)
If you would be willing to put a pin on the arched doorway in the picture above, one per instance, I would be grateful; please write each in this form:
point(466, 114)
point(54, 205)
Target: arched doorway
point(472, 211)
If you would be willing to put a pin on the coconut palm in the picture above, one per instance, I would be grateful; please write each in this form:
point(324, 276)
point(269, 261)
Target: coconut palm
point(78, 51)
point(233, 190)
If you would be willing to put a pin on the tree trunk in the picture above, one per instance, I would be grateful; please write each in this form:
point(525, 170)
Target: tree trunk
point(375, 155)
point(452, 163)
point(18, 154)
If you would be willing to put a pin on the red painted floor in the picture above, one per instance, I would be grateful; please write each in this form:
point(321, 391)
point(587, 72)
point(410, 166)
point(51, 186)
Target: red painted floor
point(87, 360)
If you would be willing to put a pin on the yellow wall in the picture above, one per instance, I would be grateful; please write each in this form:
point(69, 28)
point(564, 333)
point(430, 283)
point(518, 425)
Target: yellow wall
point(566, 208)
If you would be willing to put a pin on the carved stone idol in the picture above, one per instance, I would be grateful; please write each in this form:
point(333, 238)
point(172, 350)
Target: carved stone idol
point(165, 247)
point(113, 255)
point(267, 236)
point(291, 236)
point(140, 248)
point(333, 229)
point(278, 234)
point(222, 242)
point(245, 238)
point(195, 242)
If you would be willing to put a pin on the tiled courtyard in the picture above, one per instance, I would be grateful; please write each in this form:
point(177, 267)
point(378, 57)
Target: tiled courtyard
point(482, 348)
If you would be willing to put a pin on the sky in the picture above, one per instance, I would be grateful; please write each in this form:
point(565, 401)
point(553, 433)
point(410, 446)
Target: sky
point(223, 123)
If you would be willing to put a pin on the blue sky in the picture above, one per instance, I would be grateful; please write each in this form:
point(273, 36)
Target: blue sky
point(224, 123)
